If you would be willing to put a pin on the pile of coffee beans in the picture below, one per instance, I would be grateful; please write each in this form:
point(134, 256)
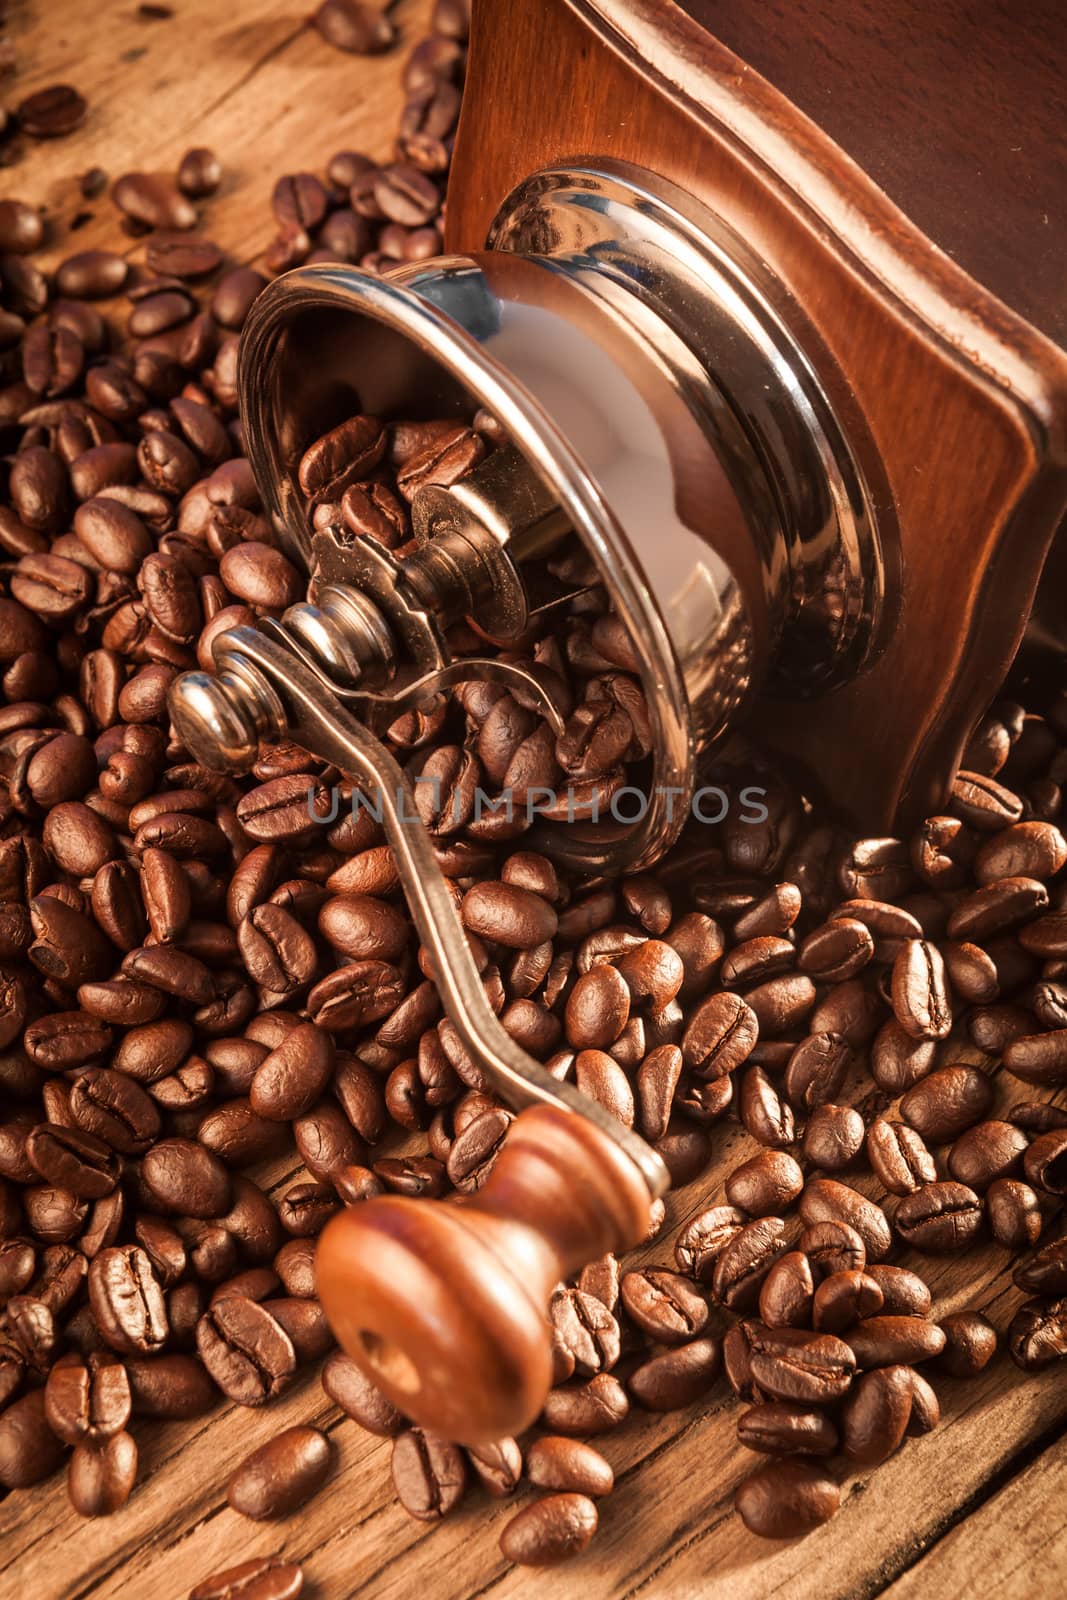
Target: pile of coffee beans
point(205, 981)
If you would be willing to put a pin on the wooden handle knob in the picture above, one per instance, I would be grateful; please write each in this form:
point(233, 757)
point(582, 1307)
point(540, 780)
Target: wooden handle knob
point(444, 1303)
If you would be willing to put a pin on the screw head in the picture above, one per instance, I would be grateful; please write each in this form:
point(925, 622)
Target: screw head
point(214, 722)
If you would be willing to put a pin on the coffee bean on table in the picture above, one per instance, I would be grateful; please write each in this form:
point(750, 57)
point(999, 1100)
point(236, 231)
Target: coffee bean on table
point(884, 1341)
point(127, 1300)
point(593, 1407)
point(845, 1298)
point(744, 1262)
point(568, 1465)
point(939, 1217)
point(876, 1413)
point(786, 1498)
point(51, 113)
point(704, 1238)
point(87, 1401)
point(826, 1200)
point(1044, 1272)
point(348, 1387)
point(429, 1474)
point(553, 1529)
point(278, 1477)
point(947, 1103)
point(1037, 1336)
point(246, 1351)
point(173, 1387)
point(792, 1364)
point(100, 1477)
point(261, 1578)
point(185, 1178)
point(498, 1466)
point(676, 1378)
point(769, 1183)
point(779, 1428)
point(720, 1035)
point(970, 1344)
point(785, 1300)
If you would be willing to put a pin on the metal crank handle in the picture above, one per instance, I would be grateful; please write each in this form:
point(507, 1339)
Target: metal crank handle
point(443, 1304)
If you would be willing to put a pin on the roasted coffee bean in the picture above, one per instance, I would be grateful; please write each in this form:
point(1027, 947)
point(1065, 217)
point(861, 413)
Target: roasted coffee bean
point(720, 1035)
point(262, 1578)
point(1014, 1213)
point(883, 1341)
point(51, 113)
point(786, 1498)
point(898, 1157)
point(111, 1107)
point(792, 1364)
point(743, 1263)
point(765, 1115)
point(778, 1428)
point(29, 1450)
point(875, 1415)
point(347, 1386)
point(768, 1183)
point(169, 1386)
point(939, 1217)
point(676, 1378)
point(921, 1001)
point(833, 1136)
point(844, 1298)
point(1045, 1162)
point(1037, 1336)
point(816, 1070)
point(1039, 1058)
point(508, 915)
point(151, 202)
point(246, 1351)
point(970, 1344)
point(100, 1477)
point(354, 26)
point(567, 1465)
point(1045, 1272)
point(293, 1077)
point(898, 1061)
point(429, 1474)
point(593, 1407)
point(837, 950)
point(553, 1529)
point(87, 1401)
point(904, 1294)
point(984, 804)
point(986, 1152)
point(947, 1102)
point(664, 1304)
point(702, 1241)
point(127, 1300)
point(281, 1475)
point(73, 1160)
point(185, 1178)
point(825, 1200)
point(785, 1299)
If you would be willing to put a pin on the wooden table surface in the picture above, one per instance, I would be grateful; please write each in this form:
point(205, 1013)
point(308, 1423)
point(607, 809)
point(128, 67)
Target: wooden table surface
point(978, 1506)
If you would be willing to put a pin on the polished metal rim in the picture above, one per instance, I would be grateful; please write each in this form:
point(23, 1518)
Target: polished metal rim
point(806, 478)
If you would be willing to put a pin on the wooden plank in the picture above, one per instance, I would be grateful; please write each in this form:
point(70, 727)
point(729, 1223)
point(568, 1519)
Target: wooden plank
point(1011, 1548)
point(250, 78)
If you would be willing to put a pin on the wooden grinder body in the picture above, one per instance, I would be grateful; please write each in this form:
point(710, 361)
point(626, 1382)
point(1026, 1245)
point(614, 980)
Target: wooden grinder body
point(963, 397)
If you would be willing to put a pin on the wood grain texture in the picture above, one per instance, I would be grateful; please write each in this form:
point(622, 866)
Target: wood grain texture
point(250, 80)
point(1004, 1551)
point(956, 108)
point(966, 406)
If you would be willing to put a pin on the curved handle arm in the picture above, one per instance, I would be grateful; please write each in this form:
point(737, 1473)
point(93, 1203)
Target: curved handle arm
point(317, 721)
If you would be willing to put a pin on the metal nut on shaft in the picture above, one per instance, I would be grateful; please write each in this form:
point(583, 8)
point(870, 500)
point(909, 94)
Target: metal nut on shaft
point(222, 717)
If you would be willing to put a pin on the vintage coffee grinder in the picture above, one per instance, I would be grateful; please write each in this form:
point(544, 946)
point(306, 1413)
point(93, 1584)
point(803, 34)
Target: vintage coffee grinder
point(818, 463)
